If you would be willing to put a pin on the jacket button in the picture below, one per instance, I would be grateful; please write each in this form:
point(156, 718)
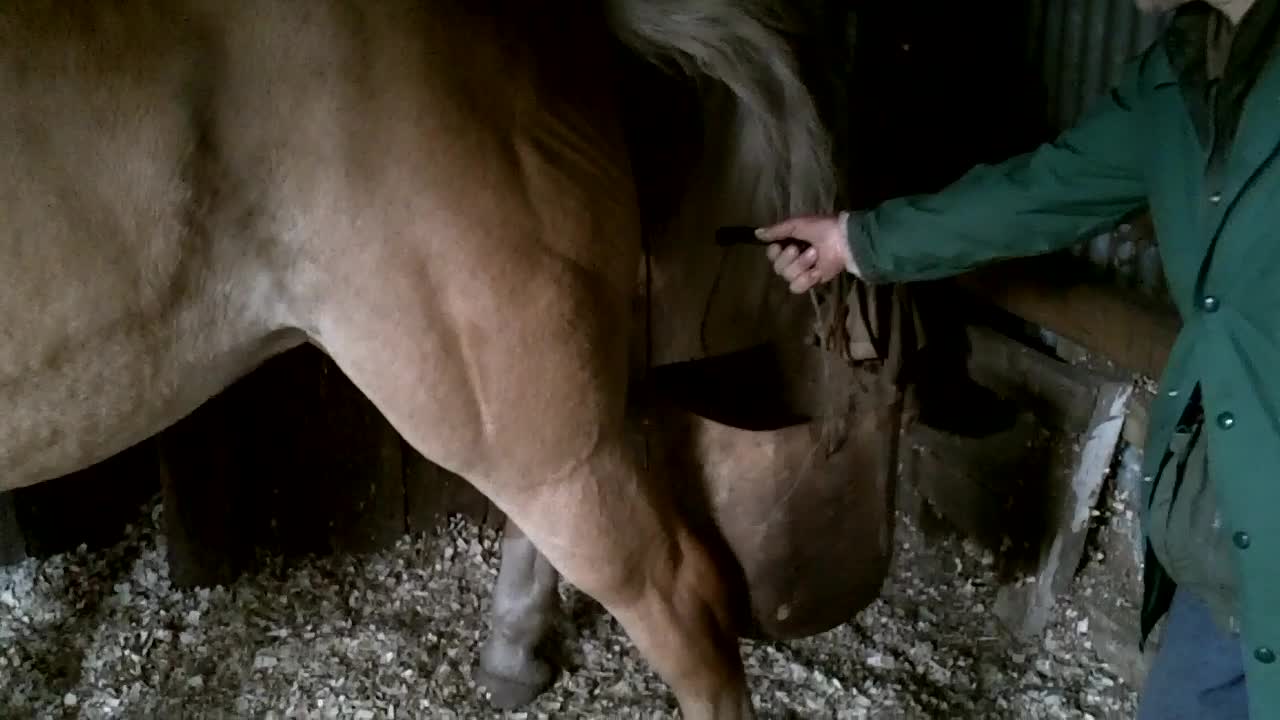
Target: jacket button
point(1215, 198)
point(1173, 393)
point(1265, 655)
point(1241, 539)
point(1209, 303)
point(1226, 420)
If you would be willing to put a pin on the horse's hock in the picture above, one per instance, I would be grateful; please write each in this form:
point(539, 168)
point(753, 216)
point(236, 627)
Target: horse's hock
point(793, 452)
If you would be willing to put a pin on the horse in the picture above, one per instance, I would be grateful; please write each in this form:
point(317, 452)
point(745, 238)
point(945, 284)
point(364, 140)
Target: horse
point(442, 197)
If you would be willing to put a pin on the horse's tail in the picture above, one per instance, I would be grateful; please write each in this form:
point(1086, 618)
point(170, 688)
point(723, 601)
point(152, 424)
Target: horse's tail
point(774, 155)
point(764, 154)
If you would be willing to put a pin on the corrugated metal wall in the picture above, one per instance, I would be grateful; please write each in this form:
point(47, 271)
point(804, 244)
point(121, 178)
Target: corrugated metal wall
point(1079, 47)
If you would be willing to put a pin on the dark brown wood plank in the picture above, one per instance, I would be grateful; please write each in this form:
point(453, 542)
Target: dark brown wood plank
point(90, 507)
point(466, 500)
point(1060, 395)
point(426, 492)
point(291, 460)
point(13, 547)
point(352, 454)
point(1132, 331)
point(322, 466)
point(432, 493)
point(209, 543)
point(494, 518)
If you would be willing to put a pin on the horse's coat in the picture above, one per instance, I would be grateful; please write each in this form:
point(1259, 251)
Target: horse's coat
point(438, 194)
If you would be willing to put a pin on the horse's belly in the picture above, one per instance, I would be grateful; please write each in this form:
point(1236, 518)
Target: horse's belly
point(120, 308)
point(80, 398)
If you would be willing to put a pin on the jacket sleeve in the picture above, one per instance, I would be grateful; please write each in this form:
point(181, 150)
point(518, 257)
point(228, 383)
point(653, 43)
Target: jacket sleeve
point(1047, 199)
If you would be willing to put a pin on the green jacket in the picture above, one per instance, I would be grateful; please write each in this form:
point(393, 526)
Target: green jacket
point(1148, 144)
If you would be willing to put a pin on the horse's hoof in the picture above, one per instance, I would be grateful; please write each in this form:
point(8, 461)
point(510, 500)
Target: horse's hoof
point(510, 693)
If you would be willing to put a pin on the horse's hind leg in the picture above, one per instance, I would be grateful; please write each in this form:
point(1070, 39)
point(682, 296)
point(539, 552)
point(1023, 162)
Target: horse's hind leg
point(524, 607)
point(520, 388)
point(605, 528)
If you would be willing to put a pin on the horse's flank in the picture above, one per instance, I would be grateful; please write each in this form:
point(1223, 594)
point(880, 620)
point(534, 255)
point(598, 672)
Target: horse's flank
point(171, 168)
point(440, 195)
point(110, 330)
point(177, 178)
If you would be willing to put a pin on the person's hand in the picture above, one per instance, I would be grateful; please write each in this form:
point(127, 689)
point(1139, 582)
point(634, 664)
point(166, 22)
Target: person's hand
point(827, 255)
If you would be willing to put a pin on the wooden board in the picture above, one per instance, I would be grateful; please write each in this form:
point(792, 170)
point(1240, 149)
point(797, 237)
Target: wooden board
point(13, 547)
point(203, 493)
point(91, 507)
point(992, 489)
point(1131, 331)
point(291, 460)
point(1026, 608)
point(431, 493)
point(1025, 491)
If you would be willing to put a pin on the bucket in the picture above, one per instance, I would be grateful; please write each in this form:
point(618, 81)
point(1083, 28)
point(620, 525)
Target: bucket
point(788, 456)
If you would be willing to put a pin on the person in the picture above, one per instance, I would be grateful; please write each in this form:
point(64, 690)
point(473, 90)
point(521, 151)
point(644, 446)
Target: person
point(1191, 133)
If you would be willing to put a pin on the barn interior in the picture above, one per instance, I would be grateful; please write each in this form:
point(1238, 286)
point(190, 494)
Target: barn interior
point(282, 553)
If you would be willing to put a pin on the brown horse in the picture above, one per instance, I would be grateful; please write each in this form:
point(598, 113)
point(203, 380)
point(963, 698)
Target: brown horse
point(441, 196)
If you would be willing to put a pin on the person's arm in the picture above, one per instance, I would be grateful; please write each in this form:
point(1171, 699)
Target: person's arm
point(1045, 200)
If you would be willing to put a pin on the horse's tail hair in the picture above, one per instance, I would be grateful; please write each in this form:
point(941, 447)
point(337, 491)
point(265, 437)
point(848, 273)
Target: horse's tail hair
point(775, 155)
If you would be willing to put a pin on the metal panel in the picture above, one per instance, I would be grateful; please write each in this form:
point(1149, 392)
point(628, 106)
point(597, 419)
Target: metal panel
point(1080, 47)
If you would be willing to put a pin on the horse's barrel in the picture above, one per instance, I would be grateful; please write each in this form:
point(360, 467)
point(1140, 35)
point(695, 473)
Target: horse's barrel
point(794, 453)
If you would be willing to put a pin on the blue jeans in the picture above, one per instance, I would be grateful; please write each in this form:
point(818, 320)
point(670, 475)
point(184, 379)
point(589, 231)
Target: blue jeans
point(1198, 673)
